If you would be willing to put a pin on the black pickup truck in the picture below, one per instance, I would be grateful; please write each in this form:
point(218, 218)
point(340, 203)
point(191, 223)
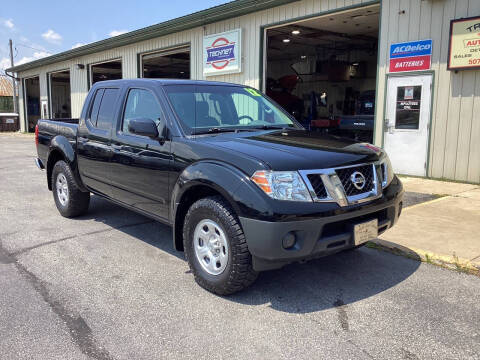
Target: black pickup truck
point(244, 186)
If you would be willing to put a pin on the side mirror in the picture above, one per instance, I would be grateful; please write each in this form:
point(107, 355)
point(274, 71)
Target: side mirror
point(143, 127)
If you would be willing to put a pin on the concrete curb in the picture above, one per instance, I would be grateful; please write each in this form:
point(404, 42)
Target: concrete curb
point(450, 262)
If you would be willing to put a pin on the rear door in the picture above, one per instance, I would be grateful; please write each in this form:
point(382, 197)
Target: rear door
point(141, 165)
point(94, 140)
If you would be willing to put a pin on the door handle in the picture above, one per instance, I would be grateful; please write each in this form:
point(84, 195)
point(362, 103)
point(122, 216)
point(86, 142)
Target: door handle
point(388, 126)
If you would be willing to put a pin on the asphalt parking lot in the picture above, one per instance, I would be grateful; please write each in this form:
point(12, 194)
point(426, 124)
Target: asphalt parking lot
point(109, 285)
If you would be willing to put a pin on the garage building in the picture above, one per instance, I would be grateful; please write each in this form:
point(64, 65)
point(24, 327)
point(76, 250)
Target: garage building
point(396, 73)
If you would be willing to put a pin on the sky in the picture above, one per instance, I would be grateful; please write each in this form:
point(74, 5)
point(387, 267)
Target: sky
point(42, 28)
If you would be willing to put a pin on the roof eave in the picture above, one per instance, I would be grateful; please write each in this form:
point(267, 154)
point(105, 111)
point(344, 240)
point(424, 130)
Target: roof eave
point(204, 17)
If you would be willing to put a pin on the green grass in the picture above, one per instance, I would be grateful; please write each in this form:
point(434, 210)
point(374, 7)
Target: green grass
point(456, 265)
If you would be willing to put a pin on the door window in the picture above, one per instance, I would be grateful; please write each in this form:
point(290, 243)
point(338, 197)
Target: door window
point(407, 112)
point(141, 104)
point(106, 113)
point(92, 116)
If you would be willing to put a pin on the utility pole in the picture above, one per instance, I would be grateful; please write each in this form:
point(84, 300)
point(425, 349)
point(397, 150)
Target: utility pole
point(14, 81)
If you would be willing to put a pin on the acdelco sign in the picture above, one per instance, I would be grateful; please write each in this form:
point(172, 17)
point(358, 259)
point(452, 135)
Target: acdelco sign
point(410, 56)
point(416, 48)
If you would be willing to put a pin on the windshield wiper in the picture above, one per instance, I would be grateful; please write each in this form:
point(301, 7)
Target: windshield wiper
point(216, 130)
point(269, 127)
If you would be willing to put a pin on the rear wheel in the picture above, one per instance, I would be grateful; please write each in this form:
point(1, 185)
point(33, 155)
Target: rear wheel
point(216, 248)
point(69, 199)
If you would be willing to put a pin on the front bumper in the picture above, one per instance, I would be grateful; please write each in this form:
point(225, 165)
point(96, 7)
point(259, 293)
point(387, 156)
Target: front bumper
point(315, 237)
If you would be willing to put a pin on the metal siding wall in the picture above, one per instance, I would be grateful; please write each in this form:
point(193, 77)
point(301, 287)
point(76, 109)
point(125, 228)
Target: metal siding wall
point(455, 129)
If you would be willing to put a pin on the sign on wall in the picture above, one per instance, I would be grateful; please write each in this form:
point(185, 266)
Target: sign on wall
point(222, 53)
point(464, 45)
point(411, 56)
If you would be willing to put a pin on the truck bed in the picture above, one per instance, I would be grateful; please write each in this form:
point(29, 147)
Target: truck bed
point(48, 129)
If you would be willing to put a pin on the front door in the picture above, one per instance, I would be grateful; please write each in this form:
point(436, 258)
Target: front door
point(141, 166)
point(407, 123)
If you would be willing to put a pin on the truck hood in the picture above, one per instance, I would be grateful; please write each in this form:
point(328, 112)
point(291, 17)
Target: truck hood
point(292, 149)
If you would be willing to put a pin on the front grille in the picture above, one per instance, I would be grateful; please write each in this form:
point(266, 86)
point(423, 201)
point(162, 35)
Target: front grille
point(345, 177)
point(380, 169)
point(317, 185)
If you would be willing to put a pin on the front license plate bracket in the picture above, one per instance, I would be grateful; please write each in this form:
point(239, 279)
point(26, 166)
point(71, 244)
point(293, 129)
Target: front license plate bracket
point(365, 231)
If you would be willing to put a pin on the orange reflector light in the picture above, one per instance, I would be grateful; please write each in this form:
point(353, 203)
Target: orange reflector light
point(260, 178)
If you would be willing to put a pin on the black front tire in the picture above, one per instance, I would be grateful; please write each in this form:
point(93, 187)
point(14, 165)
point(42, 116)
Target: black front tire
point(76, 202)
point(238, 273)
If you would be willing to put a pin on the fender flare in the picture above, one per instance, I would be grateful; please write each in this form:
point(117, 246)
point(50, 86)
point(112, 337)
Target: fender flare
point(223, 178)
point(63, 146)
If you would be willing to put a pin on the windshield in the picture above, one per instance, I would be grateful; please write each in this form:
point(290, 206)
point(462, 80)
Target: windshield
point(210, 108)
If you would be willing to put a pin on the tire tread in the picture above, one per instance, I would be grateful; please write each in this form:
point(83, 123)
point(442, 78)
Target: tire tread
point(78, 201)
point(242, 274)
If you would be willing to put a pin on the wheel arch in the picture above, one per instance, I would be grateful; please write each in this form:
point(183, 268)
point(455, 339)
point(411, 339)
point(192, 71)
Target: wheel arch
point(54, 156)
point(62, 149)
point(198, 181)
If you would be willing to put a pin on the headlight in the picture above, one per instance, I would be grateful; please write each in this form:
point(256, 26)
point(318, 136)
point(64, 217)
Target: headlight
point(387, 171)
point(282, 185)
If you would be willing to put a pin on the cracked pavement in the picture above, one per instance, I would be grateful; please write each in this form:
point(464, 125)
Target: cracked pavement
point(109, 285)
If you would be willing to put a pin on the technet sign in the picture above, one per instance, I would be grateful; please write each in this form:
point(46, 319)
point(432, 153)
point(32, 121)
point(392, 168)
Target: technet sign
point(411, 56)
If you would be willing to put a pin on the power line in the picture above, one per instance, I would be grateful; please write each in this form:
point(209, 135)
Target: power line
point(32, 48)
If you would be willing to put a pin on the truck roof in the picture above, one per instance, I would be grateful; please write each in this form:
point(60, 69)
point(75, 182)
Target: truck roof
point(164, 82)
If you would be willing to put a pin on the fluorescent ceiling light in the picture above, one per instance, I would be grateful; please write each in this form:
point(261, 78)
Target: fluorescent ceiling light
point(286, 40)
point(296, 32)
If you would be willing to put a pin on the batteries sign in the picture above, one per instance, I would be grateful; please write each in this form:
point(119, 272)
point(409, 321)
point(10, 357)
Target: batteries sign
point(411, 56)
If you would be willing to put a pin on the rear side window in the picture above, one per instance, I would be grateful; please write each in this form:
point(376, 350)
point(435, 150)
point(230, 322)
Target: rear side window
point(106, 113)
point(92, 116)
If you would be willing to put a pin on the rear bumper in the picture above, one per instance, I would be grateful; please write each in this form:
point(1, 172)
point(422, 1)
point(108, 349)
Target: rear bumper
point(314, 237)
point(39, 164)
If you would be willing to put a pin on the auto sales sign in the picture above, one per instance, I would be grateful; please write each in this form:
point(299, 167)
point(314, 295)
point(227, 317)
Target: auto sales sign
point(411, 56)
point(464, 45)
point(222, 53)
